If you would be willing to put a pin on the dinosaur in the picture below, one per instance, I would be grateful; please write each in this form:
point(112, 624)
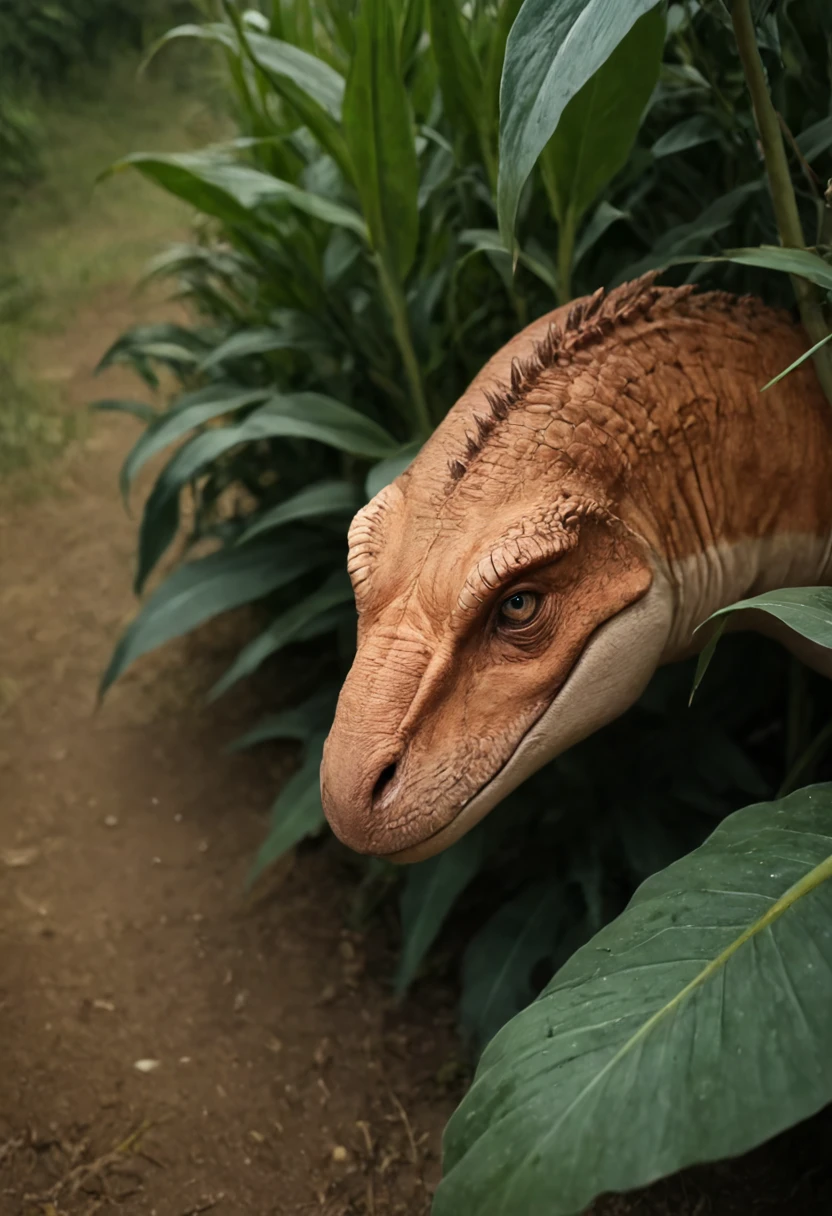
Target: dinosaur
point(610, 478)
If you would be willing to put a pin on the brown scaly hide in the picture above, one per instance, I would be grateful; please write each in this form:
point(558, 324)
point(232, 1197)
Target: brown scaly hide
point(613, 452)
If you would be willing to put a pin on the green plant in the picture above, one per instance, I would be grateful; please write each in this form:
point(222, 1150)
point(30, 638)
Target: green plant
point(348, 279)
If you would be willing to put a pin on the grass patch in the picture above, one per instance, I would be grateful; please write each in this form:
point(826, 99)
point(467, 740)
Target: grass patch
point(67, 239)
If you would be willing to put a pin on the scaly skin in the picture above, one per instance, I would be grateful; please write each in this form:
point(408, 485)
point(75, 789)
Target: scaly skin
point(615, 467)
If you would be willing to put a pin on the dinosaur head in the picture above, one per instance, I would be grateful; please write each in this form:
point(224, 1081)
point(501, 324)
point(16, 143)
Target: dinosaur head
point(505, 613)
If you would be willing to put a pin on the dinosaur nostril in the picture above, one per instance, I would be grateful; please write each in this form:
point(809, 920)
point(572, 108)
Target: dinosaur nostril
point(385, 777)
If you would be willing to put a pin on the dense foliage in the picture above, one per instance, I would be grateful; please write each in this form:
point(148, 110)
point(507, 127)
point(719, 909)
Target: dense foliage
point(350, 275)
point(42, 44)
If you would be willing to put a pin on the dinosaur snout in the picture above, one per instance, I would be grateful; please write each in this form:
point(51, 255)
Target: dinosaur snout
point(373, 767)
point(358, 780)
point(364, 756)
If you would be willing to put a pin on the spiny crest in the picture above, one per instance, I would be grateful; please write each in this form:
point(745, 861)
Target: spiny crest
point(588, 321)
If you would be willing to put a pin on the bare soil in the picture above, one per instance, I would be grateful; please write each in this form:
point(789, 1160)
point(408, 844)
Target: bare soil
point(168, 1048)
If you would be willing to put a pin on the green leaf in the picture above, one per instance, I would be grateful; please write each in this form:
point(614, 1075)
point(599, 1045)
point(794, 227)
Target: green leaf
point(299, 723)
point(137, 346)
point(683, 238)
point(320, 81)
point(689, 133)
point(200, 590)
point(552, 51)
point(321, 499)
point(598, 127)
point(262, 341)
point(431, 889)
point(460, 78)
point(379, 130)
point(309, 72)
point(310, 86)
point(501, 28)
point(297, 813)
point(805, 610)
point(797, 362)
point(192, 410)
point(488, 240)
point(816, 139)
point(137, 409)
point(601, 219)
point(381, 474)
point(315, 416)
point(233, 192)
point(774, 257)
point(498, 963)
point(296, 416)
point(693, 1027)
point(307, 619)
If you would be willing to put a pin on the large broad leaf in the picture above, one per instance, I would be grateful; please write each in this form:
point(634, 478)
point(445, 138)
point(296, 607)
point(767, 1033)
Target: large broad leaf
point(202, 589)
point(552, 51)
point(308, 618)
point(597, 129)
point(297, 813)
point(233, 192)
point(379, 129)
point(805, 610)
point(313, 502)
point(692, 1028)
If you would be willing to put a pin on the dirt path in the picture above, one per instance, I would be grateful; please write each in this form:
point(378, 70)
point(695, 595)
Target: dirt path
point(279, 1077)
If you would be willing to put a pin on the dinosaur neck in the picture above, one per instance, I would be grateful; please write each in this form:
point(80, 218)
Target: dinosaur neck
point(701, 584)
point(734, 494)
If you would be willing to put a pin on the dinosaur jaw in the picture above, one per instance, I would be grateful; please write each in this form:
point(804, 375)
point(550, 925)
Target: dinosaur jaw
point(610, 675)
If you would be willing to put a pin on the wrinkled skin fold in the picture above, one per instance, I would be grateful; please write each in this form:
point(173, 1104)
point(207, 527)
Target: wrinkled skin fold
point(609, 479)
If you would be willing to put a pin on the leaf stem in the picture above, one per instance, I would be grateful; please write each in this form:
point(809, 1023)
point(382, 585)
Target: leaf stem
point(397, 305)
point(780, 183)
point(566, 249)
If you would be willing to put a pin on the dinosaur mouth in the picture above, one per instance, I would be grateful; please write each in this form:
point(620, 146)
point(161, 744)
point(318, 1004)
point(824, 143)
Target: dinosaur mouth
point(472, 811)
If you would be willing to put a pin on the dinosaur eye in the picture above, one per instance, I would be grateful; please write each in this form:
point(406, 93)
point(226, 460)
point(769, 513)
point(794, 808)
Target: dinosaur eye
point(519, 608)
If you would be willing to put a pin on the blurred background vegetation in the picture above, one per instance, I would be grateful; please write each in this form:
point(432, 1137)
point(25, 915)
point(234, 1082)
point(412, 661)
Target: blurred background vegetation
point(48, 49)
point(344, 280)
point(70, 96)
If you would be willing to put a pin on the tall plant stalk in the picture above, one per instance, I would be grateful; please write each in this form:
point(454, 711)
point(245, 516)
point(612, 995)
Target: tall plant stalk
point(782, 191)
point(397, 304)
